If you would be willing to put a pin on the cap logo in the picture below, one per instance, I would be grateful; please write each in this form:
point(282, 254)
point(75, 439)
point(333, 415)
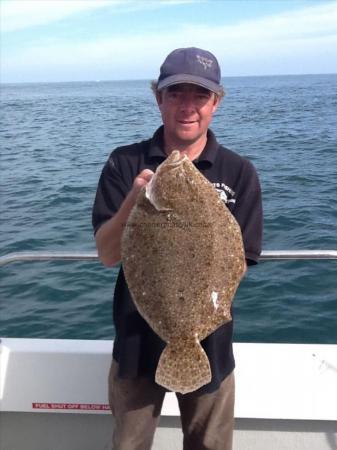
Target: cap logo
point(205, 62)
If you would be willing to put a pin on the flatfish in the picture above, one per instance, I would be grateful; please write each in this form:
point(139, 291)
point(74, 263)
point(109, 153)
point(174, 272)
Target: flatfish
point(183, 259)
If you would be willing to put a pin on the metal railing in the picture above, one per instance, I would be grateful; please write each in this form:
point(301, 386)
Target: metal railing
point(266, 255)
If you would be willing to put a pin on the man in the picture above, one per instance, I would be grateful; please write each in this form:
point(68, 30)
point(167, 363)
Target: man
point(188, 92)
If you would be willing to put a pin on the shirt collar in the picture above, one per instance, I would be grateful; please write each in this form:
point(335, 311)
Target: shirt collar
point(206, 157)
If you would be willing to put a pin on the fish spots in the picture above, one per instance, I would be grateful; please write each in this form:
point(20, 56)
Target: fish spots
point(182, 264)
point(180, 293)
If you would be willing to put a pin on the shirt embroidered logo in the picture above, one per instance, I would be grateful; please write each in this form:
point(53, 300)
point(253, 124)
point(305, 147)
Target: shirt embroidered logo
point(226, 194)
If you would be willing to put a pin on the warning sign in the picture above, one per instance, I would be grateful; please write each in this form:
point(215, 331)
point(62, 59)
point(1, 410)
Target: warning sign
point(72, 406)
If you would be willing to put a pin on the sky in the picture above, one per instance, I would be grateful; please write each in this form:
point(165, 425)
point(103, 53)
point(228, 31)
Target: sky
point(84, 40)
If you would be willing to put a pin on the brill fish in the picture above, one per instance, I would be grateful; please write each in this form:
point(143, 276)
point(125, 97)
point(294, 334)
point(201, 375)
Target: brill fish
point(183, 259)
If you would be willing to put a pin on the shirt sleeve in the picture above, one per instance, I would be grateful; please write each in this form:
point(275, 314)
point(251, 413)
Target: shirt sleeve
point(111, 191)
point(248, 211)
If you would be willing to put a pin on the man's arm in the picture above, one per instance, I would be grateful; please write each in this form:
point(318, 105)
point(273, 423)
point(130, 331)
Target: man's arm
point(108, 236)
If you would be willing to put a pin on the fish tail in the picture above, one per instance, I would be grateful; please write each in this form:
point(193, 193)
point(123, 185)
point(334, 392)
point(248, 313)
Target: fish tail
point(183, 366)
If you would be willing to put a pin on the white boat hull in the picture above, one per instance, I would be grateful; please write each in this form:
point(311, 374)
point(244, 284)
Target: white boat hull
point(53, 395)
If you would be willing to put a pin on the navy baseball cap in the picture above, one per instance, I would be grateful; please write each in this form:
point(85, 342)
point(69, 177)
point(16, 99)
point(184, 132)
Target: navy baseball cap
point(191, 65)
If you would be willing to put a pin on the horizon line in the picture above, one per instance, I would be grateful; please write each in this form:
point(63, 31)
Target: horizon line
point(150, 79)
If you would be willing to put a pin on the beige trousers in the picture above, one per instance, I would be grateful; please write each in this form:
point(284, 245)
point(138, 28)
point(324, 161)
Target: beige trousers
point(207, 420)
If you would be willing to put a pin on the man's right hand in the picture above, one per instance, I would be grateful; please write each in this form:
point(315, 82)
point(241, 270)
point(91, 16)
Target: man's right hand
point(142, 179)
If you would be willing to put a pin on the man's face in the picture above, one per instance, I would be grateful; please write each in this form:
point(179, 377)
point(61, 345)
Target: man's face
point(186, 111)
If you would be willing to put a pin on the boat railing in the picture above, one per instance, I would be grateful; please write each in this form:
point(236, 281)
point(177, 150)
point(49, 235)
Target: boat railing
point(266, 255)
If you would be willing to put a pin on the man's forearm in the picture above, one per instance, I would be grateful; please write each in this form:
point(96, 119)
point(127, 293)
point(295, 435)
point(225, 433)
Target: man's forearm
point(109, 235)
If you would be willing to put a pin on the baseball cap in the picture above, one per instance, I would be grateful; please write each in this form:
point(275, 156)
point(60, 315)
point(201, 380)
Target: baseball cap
point(191, 65)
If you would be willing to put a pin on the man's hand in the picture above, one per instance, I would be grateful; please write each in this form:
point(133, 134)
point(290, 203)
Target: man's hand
point(142, 179)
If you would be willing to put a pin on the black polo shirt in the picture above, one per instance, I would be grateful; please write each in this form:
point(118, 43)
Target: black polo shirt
point(137, 348)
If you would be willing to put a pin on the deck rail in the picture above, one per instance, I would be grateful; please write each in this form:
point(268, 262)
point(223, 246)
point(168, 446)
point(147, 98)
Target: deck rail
point(266, 255)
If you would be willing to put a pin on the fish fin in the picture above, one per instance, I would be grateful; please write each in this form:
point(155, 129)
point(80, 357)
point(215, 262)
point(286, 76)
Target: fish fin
point(183, 366)
point(151, 197)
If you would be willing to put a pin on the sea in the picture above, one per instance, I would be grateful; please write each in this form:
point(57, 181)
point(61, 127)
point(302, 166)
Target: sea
point(55, 139)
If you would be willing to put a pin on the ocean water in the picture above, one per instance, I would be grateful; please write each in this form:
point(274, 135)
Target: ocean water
point(55, 139)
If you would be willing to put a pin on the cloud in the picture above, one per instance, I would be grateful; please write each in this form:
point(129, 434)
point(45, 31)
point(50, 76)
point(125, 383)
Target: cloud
point(307, 22)
point(302, 41)
point(20, 14)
